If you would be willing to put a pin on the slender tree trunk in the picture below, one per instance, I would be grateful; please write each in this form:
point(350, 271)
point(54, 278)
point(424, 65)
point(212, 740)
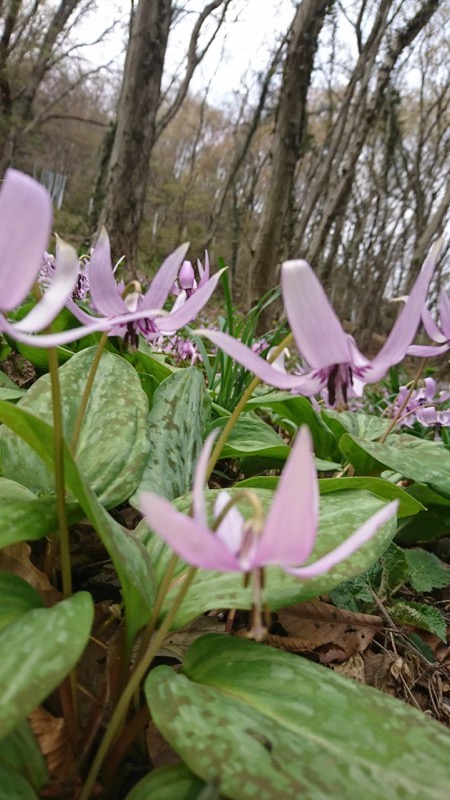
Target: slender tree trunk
point(135, 133)
point(289, 131)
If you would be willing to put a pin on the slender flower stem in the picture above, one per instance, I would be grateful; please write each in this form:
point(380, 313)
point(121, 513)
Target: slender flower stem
point(68, 689)
point(400, 411)
point(162, 591)
point(231, 421)
point(63, 536)
point(87, 391)
point(134, 682)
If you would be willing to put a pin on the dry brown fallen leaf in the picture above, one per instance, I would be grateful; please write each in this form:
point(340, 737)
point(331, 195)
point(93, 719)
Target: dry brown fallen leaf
point(352, 668)
point(15, 559)
point(54, 744)
point(333, 634)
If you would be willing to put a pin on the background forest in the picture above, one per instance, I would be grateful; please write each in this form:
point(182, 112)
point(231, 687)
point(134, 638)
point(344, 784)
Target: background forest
point(335, 148)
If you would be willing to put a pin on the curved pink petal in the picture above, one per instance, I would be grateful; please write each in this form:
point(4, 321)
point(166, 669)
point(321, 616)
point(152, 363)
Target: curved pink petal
point(194, 543)
point(444, 312)
point(190, 308)
point(291, 525)
point(405, 328)
point(431, 328)
point(364, 533)
point(105, 293)
point(63, 283)
point(159, 289)
point(305, 384)
point(428, 351)
point(59, 339)
point(231, 529)
point(318, 333)
point(198, 488)
point(25, 224)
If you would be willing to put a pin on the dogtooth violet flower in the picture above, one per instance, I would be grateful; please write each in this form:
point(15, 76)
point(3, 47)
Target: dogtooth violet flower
point(334, 361)
point(111, 301)
point(437, 333)
point(286, 538)
point(25, 224)
point(186, 283)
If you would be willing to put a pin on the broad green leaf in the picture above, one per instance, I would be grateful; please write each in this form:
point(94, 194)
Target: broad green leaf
point(7, 383)
point(299, 410)
point(127, 553)
point(365, 426)
point(11, 394)
point(252, 437)
point(113, 442)
point(38, 651)
point(23, 516)
point(180, 412)
point(20, 751)
point(340, 514)
point(379, 487)
point(169, 783)
point(427, 496)
point(16, 598)
point(267, 724)
point(418, 459)
point(425, 526)
point(358, 456)
point(420, 615)
point(14, 785)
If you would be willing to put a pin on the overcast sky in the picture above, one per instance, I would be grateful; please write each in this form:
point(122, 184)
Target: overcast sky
point(242, 47)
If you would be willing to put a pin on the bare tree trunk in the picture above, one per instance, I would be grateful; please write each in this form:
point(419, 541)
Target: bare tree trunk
point(289, 131)
point(135, 133)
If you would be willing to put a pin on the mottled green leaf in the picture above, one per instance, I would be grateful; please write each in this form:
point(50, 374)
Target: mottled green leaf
point(299, 410)
point(127, 553)
point(180, 412)
point(113, 441)
point(420, 615)
point(379, 487)
point(23, 516)
point(16, 598)
point(252, 437)
point(340, 515)
point(418, 459)
point(267, 724)
point(357, 423)
point(168, 783)
point(20, 752)
point(38, 651)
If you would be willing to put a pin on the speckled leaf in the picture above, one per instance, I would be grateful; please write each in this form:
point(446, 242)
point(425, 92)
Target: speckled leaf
point(180, 412)
point(38, 651)
point(14, 785)
point(268, 724)
point(408, 505)
point(340, 514)
point(418, 459)
point(23, 516)
point(169, 783)
point(130, 558)
point(252, 437)
point(16, 598)
point(299, 410)
point(113, 442)
point(366, 426)
point(20, 751)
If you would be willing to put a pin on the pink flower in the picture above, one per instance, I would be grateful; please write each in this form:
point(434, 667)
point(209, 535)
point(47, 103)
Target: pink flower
point(286, 538)
point(335, 363)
